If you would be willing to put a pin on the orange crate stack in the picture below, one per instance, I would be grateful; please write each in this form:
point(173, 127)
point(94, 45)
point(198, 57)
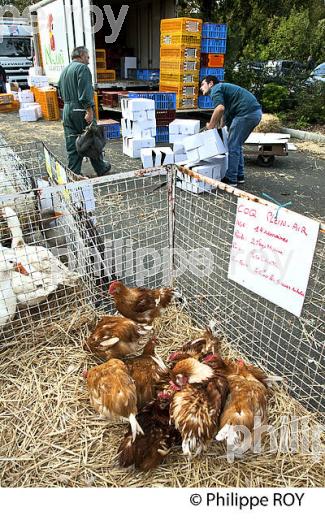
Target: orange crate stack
point(47, 97)
point(106, 75)
point(180, 50)
point(6, 99)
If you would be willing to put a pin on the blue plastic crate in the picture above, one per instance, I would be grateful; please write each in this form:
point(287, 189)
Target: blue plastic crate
point(163, 100)
point(205, 102)
point(162, 134)
point(213, 46)
point(148, 74)
point(209, 71)
point(214, 30)
point(112, 131)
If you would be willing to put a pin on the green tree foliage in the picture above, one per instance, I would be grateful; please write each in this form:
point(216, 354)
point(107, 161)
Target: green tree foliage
point(267, 29)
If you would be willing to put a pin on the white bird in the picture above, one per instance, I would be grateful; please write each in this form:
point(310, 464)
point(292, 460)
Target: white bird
point(8, 299)
point(37, 258)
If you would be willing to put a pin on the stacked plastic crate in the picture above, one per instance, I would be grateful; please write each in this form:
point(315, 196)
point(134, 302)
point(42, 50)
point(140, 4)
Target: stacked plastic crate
point(213, 49)
point(180, 41)
point(165, 111)
point(103, 75)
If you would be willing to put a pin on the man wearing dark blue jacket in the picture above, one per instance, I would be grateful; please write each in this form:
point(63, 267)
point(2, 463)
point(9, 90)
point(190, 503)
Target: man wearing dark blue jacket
point(241, 112)
point(76, 90)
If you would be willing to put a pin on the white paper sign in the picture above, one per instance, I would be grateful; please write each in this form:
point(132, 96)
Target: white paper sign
point(272, 257)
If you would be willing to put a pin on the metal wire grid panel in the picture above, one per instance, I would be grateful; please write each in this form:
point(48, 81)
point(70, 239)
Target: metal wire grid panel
point(107, 228)
point(269, 335)
point(126, 234)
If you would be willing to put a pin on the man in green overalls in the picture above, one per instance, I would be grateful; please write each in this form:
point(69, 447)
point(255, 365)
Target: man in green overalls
point(76, 90)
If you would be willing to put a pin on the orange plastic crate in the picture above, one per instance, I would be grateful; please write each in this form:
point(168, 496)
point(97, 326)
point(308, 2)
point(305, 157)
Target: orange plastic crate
point(47, 97)
point(212, 60)
point(106, 75)
point(181, 25)
point(100, 54)
point(11, 107)
point(189, 40)
point(181, 90)
point(179, 66)
point(184, 78)
point(180, 53)
point(96, 105)
point(6, 99)
point(101, 66)
point(186, 102)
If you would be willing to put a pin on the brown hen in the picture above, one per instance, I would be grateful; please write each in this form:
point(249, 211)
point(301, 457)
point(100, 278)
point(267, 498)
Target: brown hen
point(140, 304)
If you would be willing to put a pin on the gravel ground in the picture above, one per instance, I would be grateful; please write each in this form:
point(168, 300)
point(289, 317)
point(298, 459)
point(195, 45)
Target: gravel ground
point(298, 177)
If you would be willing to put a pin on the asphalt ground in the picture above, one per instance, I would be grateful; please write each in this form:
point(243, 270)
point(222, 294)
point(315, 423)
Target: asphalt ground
point(299, 177)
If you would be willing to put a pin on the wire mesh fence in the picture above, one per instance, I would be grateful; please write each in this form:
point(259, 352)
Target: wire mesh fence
point(132, 226)
point(269, 335)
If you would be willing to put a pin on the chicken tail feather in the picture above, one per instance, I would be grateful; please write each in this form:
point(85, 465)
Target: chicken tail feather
point(135, 426)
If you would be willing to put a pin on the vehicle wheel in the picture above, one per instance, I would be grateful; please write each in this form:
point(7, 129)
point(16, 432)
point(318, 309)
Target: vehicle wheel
point(265, 160)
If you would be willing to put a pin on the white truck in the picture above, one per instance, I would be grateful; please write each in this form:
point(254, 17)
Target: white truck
point(130, 29)
point(16, 49)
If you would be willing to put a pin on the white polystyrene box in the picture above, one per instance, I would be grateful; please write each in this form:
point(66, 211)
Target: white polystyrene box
point(132, 147)
point(29, 113)
point(167, 155)
point(184, 127)
point(189, 126)
point(159, 156)
point(176, 138)
point(180, 158)
point(179, 147)
point(26, 96)
point(204, 145)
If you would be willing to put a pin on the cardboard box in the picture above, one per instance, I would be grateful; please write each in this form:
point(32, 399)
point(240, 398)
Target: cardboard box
point(132, 147)
point(25, 96)
point(159, 156)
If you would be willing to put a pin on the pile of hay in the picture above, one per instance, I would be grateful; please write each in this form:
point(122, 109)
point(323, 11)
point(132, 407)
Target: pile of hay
point(50, 436)
point(269, 123)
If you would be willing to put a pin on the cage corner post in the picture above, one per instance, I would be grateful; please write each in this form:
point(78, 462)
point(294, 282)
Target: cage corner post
point(171, 189)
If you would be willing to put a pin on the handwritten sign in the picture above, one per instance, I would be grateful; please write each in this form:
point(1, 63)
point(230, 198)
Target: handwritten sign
point(273, 257)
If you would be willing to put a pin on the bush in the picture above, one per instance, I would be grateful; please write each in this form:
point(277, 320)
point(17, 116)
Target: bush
point(310, 107)
point(274, 97)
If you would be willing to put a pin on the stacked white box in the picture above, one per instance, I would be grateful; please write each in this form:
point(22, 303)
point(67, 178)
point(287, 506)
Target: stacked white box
point(204, 146)
point(38, 81)
point(31, 112)
point(138, 125)
point(159, 156)
point(138, 109)
point(181, 128)
point(138, 129)
point(25, 96)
